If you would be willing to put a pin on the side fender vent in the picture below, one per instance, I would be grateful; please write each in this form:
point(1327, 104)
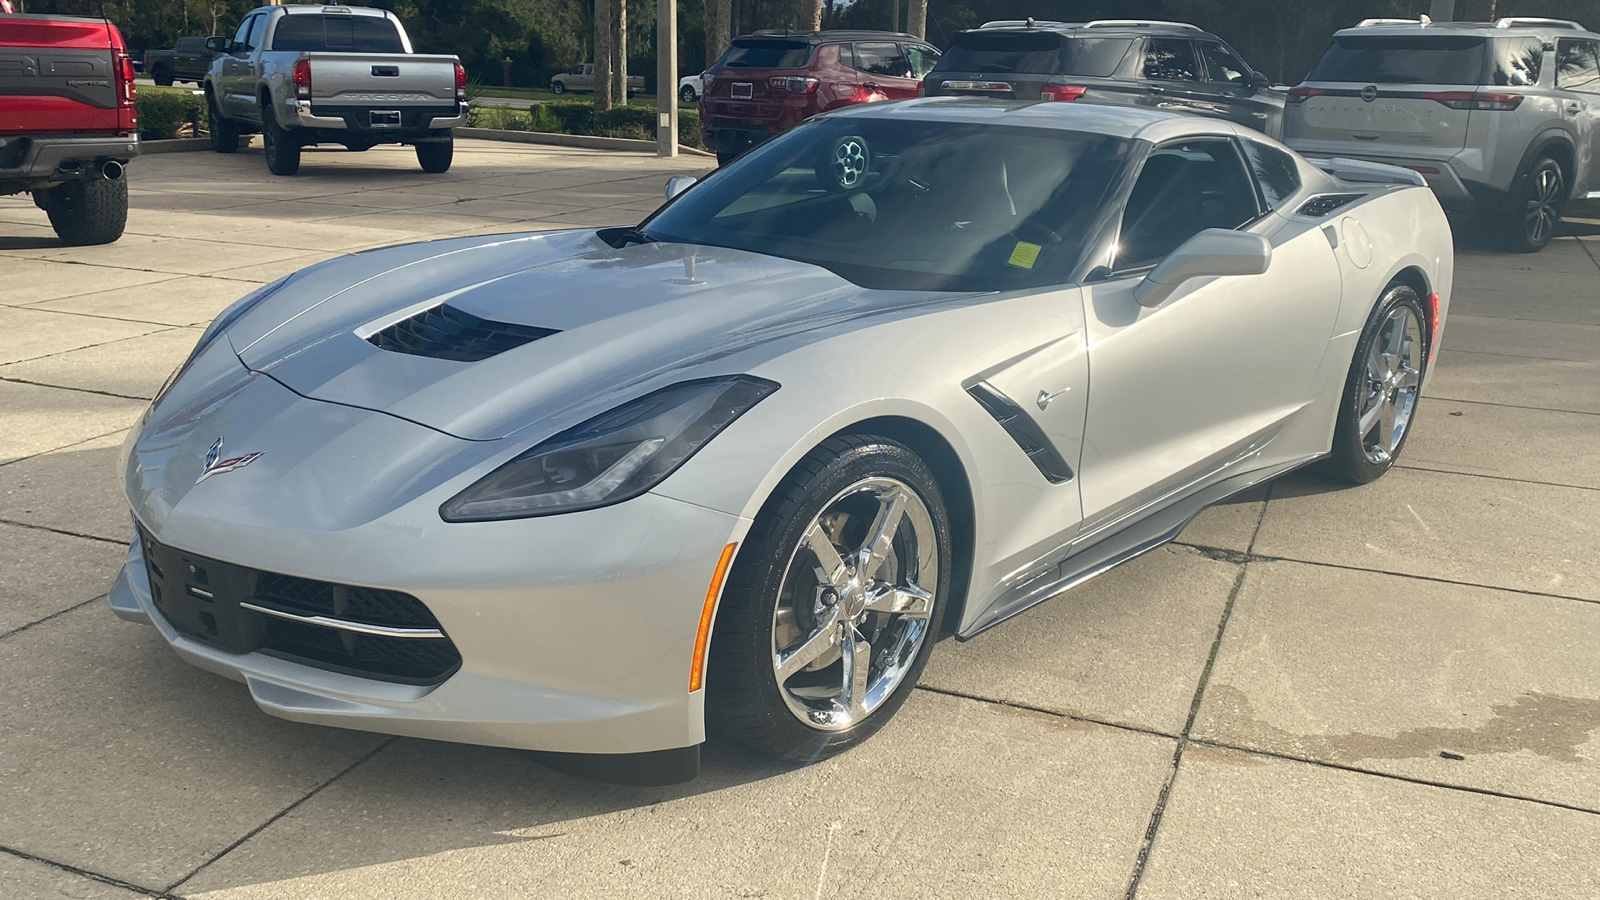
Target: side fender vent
point(1317, 207)
point(444, 332)
point(1025, 431)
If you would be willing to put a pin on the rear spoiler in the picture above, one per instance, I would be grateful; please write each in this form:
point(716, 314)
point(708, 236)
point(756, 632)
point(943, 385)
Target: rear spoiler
point(1362, 170)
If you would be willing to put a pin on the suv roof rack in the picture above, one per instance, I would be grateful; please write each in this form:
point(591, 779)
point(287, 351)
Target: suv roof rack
point(1140, 23)
point(1368, 23)
point(1021, 23)
point(1530, 22)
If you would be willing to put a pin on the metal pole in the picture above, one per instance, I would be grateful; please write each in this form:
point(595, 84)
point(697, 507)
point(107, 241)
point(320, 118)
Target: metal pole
point(666, 78)
point(1442, 11)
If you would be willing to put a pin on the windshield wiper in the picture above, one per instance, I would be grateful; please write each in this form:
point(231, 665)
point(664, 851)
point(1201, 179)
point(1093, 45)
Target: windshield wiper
point(622, 237)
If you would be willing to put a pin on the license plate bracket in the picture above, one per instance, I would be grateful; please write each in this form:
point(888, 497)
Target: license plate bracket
point(384, 118)
point(742, 90)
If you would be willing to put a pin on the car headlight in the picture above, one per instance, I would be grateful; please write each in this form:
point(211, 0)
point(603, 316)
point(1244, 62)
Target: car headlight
point(611, 457)
point(218, 325)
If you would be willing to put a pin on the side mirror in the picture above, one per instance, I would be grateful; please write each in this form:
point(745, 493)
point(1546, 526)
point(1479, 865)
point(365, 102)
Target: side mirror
point(1259, 81)
point(218, 44)
point(1213, 252)
point(677, 184)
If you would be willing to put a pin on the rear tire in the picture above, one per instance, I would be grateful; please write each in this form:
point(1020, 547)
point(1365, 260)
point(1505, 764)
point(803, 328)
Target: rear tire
point(804, 666)
point(282, 150)
point(435, 157)
point(686, 94)
point(162, 76)
point(1533, 209)
point(1382, 391)
point(84, 213)
point(224, 133)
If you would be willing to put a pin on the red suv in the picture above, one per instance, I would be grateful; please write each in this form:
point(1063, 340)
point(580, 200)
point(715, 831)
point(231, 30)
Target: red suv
point(769, 82)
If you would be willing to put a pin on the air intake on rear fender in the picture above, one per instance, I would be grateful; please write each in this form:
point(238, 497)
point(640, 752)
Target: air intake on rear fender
point(444, 332)
point(1317, 207)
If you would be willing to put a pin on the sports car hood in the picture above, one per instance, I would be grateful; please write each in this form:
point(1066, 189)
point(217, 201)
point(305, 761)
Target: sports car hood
point(616, 317)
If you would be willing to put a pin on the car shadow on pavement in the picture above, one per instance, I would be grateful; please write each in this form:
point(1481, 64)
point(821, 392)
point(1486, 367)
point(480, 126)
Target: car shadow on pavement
point(12, 242)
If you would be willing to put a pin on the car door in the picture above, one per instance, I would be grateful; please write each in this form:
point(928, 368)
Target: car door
point(1235, 89)
point(238, 75)
point(883, 69)
point(1172, 77)
point(1578, 81)
point(921, 58)
point(1184, 391)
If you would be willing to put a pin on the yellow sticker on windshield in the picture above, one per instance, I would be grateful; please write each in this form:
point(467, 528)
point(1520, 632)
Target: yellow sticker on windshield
point(1025, 255)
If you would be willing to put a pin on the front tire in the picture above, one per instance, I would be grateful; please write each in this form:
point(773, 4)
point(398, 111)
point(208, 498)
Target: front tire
point(1382, 390)
point(833, 604)
point(436, 157)
point(282, 150)
point(1533, 210)
point(557, 88)
point(84, 213)
point(224, 133)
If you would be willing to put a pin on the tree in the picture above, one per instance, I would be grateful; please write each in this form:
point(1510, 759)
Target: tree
point(917, 18)
point(719, 19)
point(604, 50)
point(811, 15)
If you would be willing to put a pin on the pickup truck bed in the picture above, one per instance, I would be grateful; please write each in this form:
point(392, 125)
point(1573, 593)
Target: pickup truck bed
point(67, 123)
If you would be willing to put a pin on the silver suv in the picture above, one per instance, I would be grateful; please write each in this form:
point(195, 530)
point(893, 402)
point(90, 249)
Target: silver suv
point(1502, 118)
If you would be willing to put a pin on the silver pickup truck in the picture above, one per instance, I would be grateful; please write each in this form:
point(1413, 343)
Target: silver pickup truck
point(303, 75)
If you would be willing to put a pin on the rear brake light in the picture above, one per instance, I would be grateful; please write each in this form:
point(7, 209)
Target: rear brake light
point(1470, 100)
point(1302, 94)
point(922, 89)
point(1066, 92)
point(302, 79)
point(793, 85)
point(125, 75)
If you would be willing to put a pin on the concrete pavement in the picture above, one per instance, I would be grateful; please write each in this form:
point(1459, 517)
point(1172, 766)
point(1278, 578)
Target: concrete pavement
point(1319, 692)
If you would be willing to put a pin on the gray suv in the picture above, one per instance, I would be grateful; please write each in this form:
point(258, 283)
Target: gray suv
point(1502, 118)
point(1113, 62)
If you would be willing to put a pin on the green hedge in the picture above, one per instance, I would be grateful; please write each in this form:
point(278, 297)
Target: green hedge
point(163, 113)
point(636, 122)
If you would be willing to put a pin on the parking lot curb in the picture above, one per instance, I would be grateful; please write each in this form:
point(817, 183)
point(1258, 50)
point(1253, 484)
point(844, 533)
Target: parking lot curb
point(175, 145)
point(590, 142)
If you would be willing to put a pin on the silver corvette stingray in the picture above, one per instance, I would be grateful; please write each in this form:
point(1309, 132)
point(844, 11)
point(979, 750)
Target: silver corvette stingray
point(902, 372)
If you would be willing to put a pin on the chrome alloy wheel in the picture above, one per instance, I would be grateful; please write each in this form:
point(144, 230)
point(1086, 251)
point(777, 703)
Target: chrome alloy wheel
point(855, 604)
point(849, 161)
point(1389, 390)
point(1544, 204)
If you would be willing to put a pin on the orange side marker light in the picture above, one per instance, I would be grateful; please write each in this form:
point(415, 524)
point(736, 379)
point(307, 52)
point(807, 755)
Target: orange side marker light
point(697, 668)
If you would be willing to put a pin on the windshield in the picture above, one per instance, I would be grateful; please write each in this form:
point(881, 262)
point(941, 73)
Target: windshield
point(908, 205)
point(760, 54)
point(1034, 53)
point(1401, 59)
point(342, 33)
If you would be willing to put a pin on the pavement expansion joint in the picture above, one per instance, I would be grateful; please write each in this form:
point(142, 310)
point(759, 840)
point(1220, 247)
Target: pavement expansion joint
point(85, 873)
point(1044, 711)
point(77, 534)
point(55, 615)
point(382, 745)
point(1358, 770)
point(63, 387)
point(1557, 484)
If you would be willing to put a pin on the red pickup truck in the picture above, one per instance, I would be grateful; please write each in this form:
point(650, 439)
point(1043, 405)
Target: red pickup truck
point(67, 123)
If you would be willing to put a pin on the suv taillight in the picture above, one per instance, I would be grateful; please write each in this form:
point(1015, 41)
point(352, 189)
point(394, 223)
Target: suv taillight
point(302, 79)
point(461, 83)
point(793, 85)
point(1471, 100)
point(1302, 94)
point(125, 76)
point(1065, 92)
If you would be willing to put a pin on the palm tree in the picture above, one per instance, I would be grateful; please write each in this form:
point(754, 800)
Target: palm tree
point(603, 49)
point(719, 19)
point(917, 18)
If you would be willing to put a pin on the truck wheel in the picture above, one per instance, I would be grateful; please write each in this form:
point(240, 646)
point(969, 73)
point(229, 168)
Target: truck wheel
point(88, 212)
point(224, 133)
point(436, 156)
point(162, 76)
point(557, 87)
point(1533, 209)
point(282, 150)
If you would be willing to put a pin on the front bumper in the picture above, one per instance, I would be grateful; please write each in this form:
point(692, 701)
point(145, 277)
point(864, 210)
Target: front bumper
point(31, 162)
point(582, 645)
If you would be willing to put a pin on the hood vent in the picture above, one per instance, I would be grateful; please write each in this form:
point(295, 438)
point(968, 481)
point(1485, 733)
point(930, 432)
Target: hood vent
point(444, 332)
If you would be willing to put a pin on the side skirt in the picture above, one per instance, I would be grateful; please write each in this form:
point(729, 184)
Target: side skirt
point(1136, 539)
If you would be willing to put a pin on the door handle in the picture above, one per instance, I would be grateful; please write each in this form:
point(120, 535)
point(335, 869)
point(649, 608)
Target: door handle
point(1157, 90)
point(1574, 107)
point(871, 85)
